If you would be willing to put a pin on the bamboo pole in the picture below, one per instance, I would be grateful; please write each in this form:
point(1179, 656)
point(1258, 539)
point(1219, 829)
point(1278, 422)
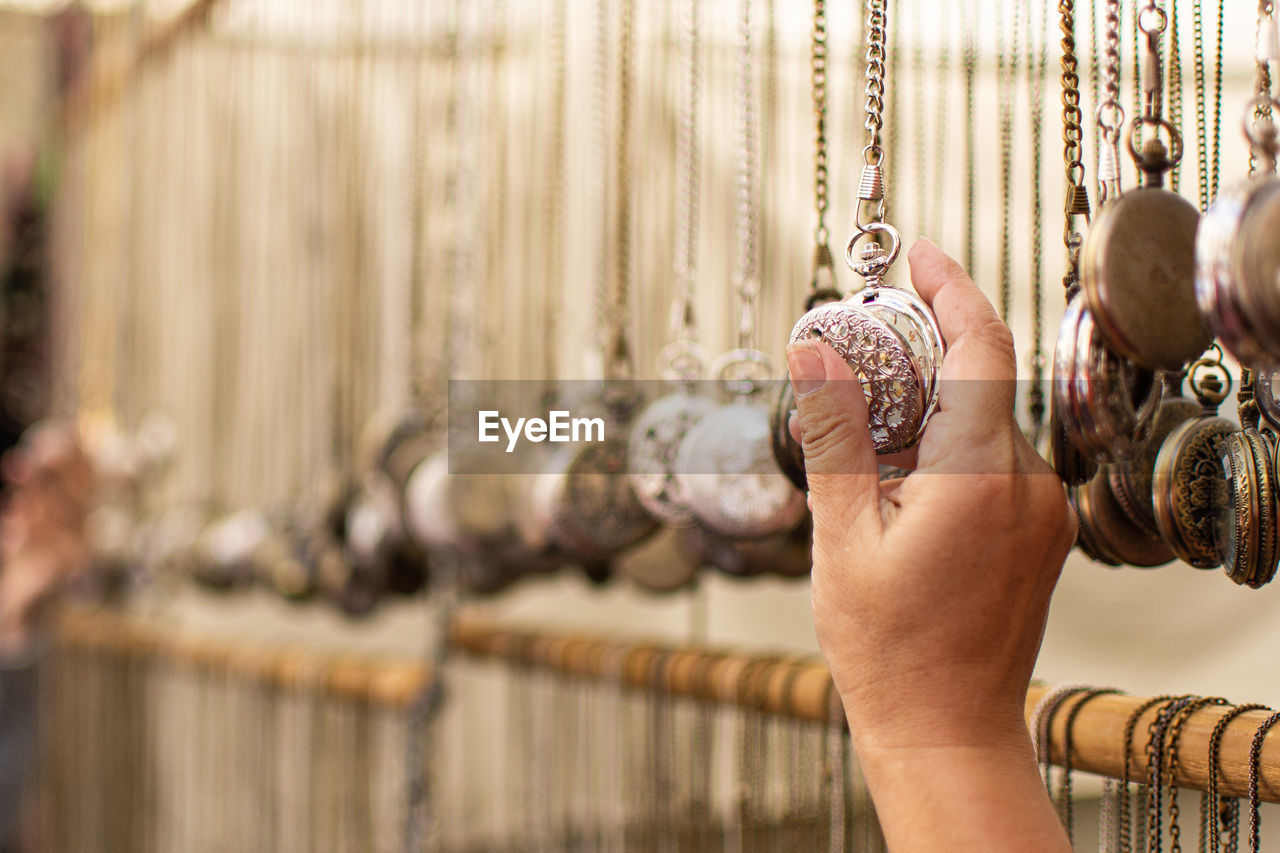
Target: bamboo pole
point(801, 688)
point(384, 683)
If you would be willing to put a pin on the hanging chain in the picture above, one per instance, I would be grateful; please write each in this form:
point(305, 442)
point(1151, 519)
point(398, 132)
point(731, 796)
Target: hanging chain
point(1263, 156)
point(683, 357)
point(1207, 158)
point(1037, 43)
point(823, 284)
point(818, 82)
point(618, 355)
point(1110, 115)
point(556, 198)
point(969, 64)
point(600, 167)
point(873, 154)
point(747, 274)
point(1171, 765)
point(688, 170)
point(1255, 756)
point(1174, 94)
point(1007, 61)
point(1077, 202)
point(1211, 803)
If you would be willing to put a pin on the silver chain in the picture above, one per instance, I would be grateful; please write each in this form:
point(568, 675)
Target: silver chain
point(873, 154)
point(688, 173)
point(747, 274)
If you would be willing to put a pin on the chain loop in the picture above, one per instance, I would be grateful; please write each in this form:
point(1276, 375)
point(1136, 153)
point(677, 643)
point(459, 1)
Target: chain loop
point(818, 87)
point(1077, 193)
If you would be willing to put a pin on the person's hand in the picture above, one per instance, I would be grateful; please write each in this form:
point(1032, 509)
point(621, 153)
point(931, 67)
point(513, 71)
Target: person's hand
point(41, 527)
point(930, 593)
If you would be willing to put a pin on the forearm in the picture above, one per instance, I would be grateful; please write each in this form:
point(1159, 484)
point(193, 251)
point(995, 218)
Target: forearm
point(987, 798)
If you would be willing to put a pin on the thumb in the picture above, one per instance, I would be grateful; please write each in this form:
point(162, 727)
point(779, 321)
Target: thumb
point(839, 456)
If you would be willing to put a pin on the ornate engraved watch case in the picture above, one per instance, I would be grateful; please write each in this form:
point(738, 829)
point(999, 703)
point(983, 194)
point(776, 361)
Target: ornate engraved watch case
point(1189, 490)
point(1249, 545)
point(890, 339)
point(1106, 405)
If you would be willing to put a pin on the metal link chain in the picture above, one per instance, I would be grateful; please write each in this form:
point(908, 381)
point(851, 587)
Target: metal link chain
point(1110, 115)
point(1037, 45)
point(1008, 57)
point(1207, 159)
point(818, 83)
point(618, 355)
point(747, 272)
point(1255, 755)
point(1174, 95)
point(1066, 799)
point(1171, 765)
point(1130, 724)
point(1262, 87)
point(873, 154)
point(969, 64)
point(688, 174)
point(1077, 202)
point(1210, 803)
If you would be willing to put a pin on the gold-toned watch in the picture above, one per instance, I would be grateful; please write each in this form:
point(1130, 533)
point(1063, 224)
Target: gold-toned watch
point(1188, 489)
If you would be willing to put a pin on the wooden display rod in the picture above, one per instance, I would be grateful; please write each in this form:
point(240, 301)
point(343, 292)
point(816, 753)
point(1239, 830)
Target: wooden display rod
point(1098, 743)
point(393, 684)
point(800, 687)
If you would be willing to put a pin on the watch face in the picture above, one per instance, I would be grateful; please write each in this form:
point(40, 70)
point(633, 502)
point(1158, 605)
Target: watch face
point(1189, 489)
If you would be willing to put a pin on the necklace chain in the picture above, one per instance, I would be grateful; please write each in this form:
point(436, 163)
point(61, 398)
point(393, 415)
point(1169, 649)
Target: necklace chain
point(1077, 203)
point(747, 275)
point(818, 83)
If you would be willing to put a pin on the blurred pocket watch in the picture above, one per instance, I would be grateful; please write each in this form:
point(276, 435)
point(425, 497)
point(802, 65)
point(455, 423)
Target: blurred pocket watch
point(726, 465)
point(662, 563)
point(1238, 255)
point(788, 554)
point(583, 500)
point(1105, 404)
point(1249, 545)
point(656, 436)
point(1107, 533)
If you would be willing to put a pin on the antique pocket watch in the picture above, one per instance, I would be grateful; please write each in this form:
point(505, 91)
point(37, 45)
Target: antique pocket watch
point(726, 464)
point(1188, 489)
point(1249, 546)
point(1108, 534)
point(1106, 405)
point(889, 338)
point(1137, 263)
point(1238, 258)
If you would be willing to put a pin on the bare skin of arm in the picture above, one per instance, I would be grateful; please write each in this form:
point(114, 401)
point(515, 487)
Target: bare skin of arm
point(930, 593)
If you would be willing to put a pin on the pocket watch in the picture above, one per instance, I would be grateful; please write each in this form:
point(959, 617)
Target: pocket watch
point(585, 503)
point(654, 442)
point(1131, 479)
point(725, 463)
point(662, 563)
point(1105, 404)
point(787, 554)
point(1249, 546)
point(1188, 489)
point(1238, 258)
point(890, 339)
point(1108, 534)
point(1137, 267)
point(727, 469)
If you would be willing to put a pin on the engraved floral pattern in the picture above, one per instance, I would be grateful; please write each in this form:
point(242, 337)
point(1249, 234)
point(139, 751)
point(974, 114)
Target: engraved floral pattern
point(883, 362)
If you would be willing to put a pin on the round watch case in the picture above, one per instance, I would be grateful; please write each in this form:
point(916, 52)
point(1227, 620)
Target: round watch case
point(891, 340)
point(1188, 489)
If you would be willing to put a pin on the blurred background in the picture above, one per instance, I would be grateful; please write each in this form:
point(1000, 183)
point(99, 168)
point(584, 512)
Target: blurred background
point(246, 244)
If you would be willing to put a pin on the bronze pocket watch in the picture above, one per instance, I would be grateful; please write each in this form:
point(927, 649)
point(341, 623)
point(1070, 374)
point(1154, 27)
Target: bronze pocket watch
point(1105, 404)
point(1107, 533)
point(1188, 489)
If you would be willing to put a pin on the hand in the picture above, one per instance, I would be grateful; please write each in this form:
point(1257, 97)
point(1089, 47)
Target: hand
point(41, 527)
point(930, 593)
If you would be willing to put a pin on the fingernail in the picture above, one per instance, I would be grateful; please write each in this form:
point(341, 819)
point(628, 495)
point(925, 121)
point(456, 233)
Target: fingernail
point(925, 239)
point(805, 366)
